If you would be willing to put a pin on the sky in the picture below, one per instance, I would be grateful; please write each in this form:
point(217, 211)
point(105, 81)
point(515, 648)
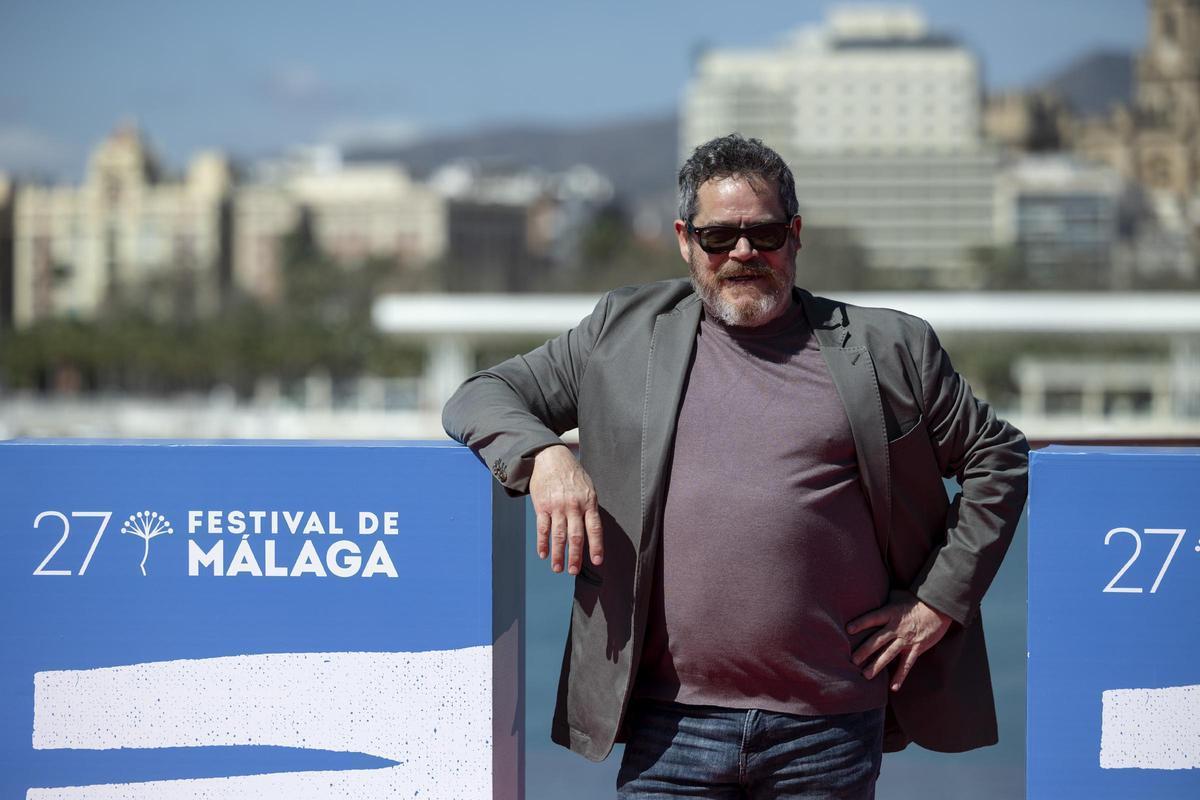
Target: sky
point(253, 78)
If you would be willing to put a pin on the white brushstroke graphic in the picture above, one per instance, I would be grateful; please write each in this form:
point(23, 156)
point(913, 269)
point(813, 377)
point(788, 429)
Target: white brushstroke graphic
point(430, 712)
point(1151, 728)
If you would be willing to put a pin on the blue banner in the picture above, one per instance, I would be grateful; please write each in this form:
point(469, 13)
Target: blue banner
point(299, 620)
point(1114, 653)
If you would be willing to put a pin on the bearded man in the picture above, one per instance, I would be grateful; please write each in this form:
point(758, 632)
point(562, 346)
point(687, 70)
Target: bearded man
point(772, 586)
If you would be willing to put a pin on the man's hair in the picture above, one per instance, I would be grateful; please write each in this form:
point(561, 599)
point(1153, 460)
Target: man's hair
point(727, 156)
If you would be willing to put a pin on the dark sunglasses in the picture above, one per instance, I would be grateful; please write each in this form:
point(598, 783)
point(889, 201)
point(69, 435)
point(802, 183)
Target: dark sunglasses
point(723, 238)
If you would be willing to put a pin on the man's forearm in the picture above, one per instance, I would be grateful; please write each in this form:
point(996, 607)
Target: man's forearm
point(990, 459)
point(488, 415)
point(508, 413)
point(979, 527)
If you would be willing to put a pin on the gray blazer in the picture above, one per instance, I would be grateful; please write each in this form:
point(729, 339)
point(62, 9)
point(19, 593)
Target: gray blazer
point(619, 377)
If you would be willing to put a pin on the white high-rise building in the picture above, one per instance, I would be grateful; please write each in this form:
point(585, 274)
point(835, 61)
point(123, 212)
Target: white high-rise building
point(879, 118)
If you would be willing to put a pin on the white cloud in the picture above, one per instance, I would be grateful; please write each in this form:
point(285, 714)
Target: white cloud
point(296, 82)
point(299, 86)
point(393, 132)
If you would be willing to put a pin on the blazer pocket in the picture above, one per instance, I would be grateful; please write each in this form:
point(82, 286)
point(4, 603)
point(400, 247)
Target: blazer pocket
point(911, 455)
point(907, 429)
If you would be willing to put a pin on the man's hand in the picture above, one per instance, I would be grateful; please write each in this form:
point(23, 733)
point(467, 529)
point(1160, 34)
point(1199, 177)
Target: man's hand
point(565, 503)
point(907, 628)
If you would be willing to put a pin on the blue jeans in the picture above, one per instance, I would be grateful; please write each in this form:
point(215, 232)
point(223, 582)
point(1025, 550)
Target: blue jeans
point(701, 751)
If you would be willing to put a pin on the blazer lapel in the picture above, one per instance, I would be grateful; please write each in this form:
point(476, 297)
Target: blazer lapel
point(671, 345)
point(853, 372)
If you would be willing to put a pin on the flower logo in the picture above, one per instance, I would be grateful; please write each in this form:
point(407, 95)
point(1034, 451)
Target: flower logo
point(146, 525)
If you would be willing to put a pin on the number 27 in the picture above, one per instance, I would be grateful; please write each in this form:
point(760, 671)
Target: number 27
point(103, 516)
point(1178, 533)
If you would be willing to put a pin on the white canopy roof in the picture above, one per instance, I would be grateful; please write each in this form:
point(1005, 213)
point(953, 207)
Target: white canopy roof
point(481, 315)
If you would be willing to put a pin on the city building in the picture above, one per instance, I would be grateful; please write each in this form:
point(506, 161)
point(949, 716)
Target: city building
point(508, 227)
point(126, 238)
point(6, 251)
point(879, 118)
point(353, 212)
point(1063, 217)
point(1151, 145)
point(1156, 142)
point(494, 217)
point(182, 248)
point(1035, 121)
point(485, 227)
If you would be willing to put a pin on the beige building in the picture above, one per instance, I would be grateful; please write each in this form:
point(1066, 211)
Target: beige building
point(7, 190)
point(126, 237)
point(354, 212)
point(879, 118)
point(129, 237)
point(1026, 121)
point(1156, 143)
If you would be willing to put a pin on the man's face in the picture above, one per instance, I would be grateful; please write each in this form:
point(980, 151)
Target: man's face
point(744, 286)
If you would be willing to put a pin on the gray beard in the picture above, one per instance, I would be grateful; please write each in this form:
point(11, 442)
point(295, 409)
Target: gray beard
point(742, 315)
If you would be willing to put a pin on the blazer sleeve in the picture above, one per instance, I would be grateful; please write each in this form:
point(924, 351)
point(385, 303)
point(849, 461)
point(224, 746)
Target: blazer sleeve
point(510, 412)
point(989, 457)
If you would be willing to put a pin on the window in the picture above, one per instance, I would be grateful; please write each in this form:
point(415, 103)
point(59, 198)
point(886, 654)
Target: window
point(1168, 27)
point(1158, 171)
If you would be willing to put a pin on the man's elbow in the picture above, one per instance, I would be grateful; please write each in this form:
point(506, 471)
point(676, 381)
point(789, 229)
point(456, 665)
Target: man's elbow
point(456, 412)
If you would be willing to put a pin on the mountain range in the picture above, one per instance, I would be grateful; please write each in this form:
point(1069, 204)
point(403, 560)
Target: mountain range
point(1095, 82)
point(638, 155)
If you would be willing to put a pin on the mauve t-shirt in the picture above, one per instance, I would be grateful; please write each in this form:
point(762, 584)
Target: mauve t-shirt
point(767, 549)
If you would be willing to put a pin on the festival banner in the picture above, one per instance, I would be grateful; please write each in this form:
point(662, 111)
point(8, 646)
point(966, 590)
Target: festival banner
point(299, 620)
point(1114, 649)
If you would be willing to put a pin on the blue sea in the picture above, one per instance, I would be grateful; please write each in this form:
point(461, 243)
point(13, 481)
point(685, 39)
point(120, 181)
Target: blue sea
point(992, 773)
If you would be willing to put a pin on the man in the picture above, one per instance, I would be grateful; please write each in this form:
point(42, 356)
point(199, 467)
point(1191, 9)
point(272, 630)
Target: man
point(766, 558)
